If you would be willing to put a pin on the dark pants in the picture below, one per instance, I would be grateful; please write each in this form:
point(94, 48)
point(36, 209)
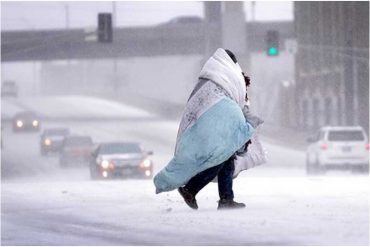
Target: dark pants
point(225, 173)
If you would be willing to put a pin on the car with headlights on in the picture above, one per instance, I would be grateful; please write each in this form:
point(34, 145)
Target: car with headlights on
point(341, 147)
point(51, 140)
point(26, 121)
point(120, 159)
point(75, 150)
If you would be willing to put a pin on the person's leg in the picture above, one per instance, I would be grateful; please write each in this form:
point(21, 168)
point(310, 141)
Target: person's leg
point(225, 180)
point(225, 186)
point(196, 183)
point(199, 181)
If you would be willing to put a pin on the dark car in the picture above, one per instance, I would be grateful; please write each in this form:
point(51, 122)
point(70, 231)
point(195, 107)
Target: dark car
point(26, 121)
point(51, 140)
point(120, 159)
point(75, 150)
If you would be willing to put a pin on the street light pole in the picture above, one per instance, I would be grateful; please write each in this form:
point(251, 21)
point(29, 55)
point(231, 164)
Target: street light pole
point(35, 78)
point(253, 10)
point(114, 22)
point(66, 7)
point(285, 116)
point(114, 14)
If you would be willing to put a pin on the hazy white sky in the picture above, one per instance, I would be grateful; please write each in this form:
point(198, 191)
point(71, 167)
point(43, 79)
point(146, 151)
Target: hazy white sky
point(50, 15)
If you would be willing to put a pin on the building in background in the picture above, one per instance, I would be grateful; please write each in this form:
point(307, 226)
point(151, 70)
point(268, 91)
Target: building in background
point(332, 64)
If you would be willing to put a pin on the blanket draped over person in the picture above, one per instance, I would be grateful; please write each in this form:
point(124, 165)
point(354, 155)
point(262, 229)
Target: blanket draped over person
point(213, 127)
point(255, 156)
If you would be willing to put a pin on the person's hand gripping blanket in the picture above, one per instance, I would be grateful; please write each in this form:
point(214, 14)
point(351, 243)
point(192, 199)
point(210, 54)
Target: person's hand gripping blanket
point(213, 126)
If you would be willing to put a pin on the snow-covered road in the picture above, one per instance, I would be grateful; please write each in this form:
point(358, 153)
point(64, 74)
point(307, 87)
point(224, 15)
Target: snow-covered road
point(45, 205)
point(280, 211)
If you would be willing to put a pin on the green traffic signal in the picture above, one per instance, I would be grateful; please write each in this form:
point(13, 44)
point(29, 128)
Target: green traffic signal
point(272, 51)
point(272, 43)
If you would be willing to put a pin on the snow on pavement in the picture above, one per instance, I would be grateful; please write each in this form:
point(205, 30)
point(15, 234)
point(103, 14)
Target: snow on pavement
point(280, 211)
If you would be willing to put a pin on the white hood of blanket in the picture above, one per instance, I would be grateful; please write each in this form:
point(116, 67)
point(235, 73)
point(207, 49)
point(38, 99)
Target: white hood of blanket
point(221, 69)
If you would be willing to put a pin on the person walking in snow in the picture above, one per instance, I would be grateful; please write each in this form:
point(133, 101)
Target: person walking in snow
point(212, 129)
point(225, 171)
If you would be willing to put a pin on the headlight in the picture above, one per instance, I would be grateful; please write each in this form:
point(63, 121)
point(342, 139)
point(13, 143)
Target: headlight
point(47, 141)
point(145, 163)
point(105, 164)
point(35, 123)
point(19, 123)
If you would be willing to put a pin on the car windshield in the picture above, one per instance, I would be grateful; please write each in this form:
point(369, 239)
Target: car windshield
point(78, 141)
point(348, 135)
point(116, 148)
point(57, 132)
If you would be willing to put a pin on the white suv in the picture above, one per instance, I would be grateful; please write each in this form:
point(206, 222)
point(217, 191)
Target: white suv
point(344, 147)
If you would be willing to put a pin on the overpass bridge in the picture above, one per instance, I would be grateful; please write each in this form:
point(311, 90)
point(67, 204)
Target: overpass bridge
point(175, 39)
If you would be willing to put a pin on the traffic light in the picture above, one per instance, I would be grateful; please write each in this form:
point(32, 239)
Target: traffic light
point(105, 31)
point(272, 43)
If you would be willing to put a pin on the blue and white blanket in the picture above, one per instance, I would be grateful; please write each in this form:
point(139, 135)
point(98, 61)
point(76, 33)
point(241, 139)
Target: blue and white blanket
point(212, 127)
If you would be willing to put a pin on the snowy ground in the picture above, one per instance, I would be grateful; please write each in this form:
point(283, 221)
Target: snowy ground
point(45, 205)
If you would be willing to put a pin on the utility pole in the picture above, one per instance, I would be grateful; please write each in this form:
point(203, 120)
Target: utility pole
point(34, 65)
point(66, 7)
point(253, 10)
point(213, 21)
point(115, 69)
point(114, 14)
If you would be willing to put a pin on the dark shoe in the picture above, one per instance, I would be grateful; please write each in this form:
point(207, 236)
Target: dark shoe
point(229, 204)
point(188, 197)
